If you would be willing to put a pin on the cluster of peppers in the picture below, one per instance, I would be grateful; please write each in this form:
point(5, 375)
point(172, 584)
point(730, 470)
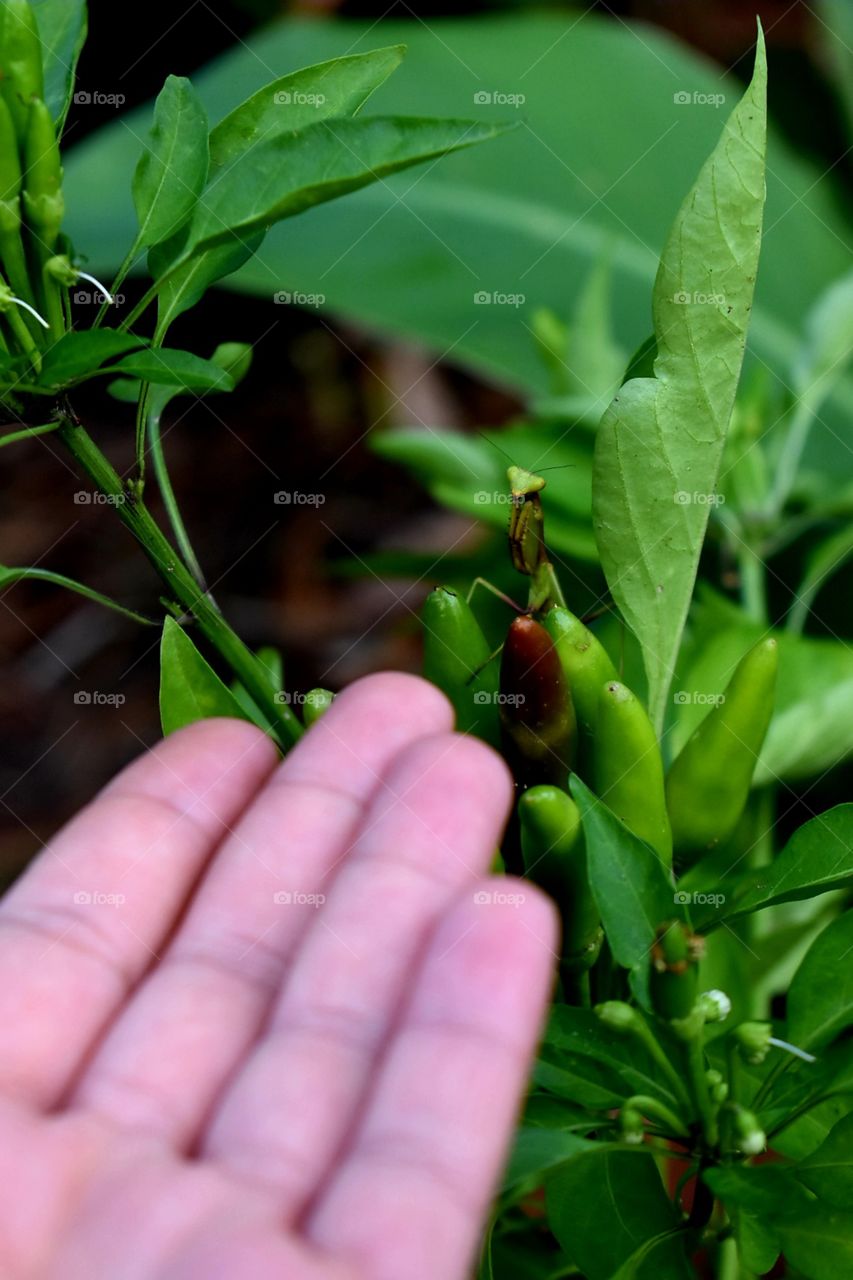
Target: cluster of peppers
point(36, 270)
point(555, 704)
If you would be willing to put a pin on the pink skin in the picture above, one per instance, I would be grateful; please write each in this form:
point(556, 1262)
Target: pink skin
point(255, 1018)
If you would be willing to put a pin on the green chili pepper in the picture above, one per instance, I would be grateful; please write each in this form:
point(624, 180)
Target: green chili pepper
point(675, 971)
point(11, 183)
point(708, 783)
point(457, 660)
point(554, 855)
point(317, 703)
point(627, 767)
point(20, 60)
point(536, 708)
point(586, 663)
point(43, 200)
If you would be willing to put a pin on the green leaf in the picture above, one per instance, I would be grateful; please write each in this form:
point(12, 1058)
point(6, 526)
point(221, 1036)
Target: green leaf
point(817, 1241)
point(817, 858)
point(8, 577)
point(78, 354)
point(605, 1205)
point(272, 660)
point(580, 1080)
point(820, 998)
point(287, 174)
point(586, 190)
point(828, 1172)
point(632, 891)
point(62, 28)
point(538, 1151)
point(184, 286)
point(579, 1033)
point(173, 167)
point(338, 87)
point(167, 367)
point(662, 440)
point(190, 689)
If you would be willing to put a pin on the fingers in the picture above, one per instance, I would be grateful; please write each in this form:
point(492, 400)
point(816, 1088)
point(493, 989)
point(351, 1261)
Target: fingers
point(433, 828)
point(93, 911)
point(192, 1022)
point(411, 1194)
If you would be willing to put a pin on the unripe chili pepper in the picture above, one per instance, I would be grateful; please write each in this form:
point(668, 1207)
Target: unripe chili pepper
point(456, 660)
point(536, 708)
point(22, 67)
point(585, 661)
point(552, 846)
point(628, 770)
point(44, 203)
point(11, 183)
point(631, 1127)
point(317, 702)
point(675, 973)
point(708, 783)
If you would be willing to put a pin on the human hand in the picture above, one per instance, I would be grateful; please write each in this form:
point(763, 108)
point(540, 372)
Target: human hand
point(254, 1020)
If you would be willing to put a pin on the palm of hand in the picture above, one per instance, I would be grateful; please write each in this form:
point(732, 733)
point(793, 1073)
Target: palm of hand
point(254, 1019)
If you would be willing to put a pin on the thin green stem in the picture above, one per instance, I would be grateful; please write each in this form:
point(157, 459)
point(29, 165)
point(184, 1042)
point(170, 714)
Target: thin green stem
point(170, 502)
point(27, 432)
point(753, 583)
point(182, 587)
point(699, 1088)
point(120, 277)
point(792, 451)
point(648, 1106)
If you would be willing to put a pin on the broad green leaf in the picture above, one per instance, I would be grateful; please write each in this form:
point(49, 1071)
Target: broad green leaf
point(591, 186)
point(287, 174)
point(632, 1267)
point(581, 1034)
point(538, 1151)
point(661, 440)
point(820, 998)
point(632, 890)
point(828, 1172)
point(62, 28)
point(8, 577)
point(77, 354)
point(171, 368)
point(190, 689)
point(604, 1205)
point(173, 167)
point(817, 858)
point(339, 87)
point(579, 1079)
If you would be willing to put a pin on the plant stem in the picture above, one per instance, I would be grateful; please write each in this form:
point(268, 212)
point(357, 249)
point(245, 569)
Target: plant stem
point(170, 502)
point(753, 583)
point(180, 582)
point(699, 1088)
point(26, 432)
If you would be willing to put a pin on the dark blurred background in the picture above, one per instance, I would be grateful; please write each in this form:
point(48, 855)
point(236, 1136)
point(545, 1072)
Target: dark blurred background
point(276, 575)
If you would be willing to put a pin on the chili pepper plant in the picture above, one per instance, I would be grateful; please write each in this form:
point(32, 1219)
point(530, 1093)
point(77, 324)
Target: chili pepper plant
point(691, 1111)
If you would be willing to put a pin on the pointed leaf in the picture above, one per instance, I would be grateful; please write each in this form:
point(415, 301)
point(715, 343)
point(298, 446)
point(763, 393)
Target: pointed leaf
point(190, 689)
point(286, 175)
point(172, 170)
point(660, 442)
point(828, 1172)
point(78, 354)
point(62, 28)
point(338, 87)
point(171, 368)
point(820, 998)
